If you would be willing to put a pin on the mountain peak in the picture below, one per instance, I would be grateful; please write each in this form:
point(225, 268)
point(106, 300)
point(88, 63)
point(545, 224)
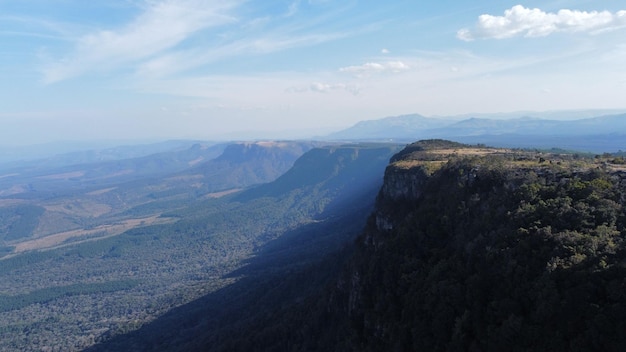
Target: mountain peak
point(410, 127)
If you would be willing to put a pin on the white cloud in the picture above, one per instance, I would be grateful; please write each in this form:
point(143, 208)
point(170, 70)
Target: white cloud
point(35, 27)
point(534, 22)
point(159, 42)
point(384, 51)
point(375, 67)
point(162, 26)
point(270, 42)
point(319, 87)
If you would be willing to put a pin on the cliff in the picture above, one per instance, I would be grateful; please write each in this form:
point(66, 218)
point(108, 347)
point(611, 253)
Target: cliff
point(489, 249)
point(467, 248)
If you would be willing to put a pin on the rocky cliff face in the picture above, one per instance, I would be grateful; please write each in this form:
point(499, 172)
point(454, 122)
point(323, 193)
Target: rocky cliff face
point(402, 185)
point(479, 248)
point(405, 179)
point(467, 249)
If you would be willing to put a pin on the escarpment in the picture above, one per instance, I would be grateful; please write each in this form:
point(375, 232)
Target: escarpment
point(482, 248)
point(473, 248)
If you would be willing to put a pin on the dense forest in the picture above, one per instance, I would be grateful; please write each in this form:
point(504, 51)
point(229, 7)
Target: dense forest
point(463, 248)
point(95, 287)
point(474, 249)
point(500, 251)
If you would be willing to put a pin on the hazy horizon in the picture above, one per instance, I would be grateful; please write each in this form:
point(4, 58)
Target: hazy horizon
point(172, 69)
point(302, 134)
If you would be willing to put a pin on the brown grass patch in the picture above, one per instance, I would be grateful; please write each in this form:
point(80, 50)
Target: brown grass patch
point(617, 167)
point(57, 240)
point(100, 191)
point(9, 202)
point(195, 161)
point(468, 151)
point(13, 190)
point(222, 193)
point(63, 176)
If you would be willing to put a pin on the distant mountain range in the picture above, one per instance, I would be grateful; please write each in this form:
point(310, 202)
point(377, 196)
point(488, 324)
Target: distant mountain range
point(40, 200)
point(225, 222)
point(597, 134)
point(70, 153)
point(395, 127)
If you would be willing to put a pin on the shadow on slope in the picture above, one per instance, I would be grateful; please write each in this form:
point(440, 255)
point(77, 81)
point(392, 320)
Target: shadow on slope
point(331, 168)
point(336, 194)
point(282, 272)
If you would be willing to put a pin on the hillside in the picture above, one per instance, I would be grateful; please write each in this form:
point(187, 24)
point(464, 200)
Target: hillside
point(46, 206)
point(202, 258)
point(68, 153)
point(473, 249)
point(492, 250)
point(464, 248)
point(297, 231)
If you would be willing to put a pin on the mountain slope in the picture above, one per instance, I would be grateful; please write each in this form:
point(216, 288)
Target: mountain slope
point(331, 167)
point(245, 164)
point(527, 126)
point(64, 154)
point(521, 126)
point(295, 235)
point(54, 177)
point(394, 127)
point(74, 203)
point(501, 251)
point(208, 264)
point(598, 134)
point(474, 249)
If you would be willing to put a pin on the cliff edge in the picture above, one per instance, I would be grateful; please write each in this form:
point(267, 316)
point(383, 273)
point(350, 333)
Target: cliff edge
point(475, 248)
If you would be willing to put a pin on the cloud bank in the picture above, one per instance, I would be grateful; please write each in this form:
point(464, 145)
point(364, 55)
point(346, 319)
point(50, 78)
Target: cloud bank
point(527, 22)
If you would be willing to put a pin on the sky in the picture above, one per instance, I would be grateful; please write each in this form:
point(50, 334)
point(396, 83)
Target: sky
point(169, 69)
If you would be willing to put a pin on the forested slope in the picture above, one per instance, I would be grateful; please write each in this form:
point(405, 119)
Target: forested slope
point(497, 251)
point(473, 249)
point(269, 247)
point(45, 206)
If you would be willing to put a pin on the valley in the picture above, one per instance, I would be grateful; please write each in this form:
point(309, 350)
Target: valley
point(76, 236)
point(468, 248)
point(351, 176)
point(41, 208)
point(276, 231)
point(103, 259)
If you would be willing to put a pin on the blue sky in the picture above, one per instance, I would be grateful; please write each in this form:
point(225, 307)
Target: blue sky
point(159, 69)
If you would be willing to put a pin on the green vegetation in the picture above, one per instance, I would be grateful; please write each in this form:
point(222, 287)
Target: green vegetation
point(74, 296)
point(19, 221)
point(506, 250)
point(41, 201)
point(4, 250)
point(45, 295)
point(495, 256)
point(425, 145)
point(468, 248)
